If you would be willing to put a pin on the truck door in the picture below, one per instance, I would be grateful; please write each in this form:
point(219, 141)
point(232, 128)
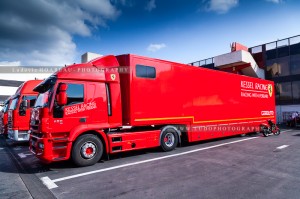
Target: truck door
point(82, 108)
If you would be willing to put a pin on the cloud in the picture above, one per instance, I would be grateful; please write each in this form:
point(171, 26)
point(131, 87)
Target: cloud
point(127, 3)
point(221, 6)
point(41, 33)
point(150, 5)
point(156, 47)
point(275, 1)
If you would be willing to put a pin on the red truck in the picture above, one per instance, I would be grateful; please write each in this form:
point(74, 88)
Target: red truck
point(19, 111)
point(128, 102)
point(4, 117)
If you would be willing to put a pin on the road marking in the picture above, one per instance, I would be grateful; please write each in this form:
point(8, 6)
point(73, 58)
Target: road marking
point(51, 183)
point(282, 147)
point(23, 155)
point(1, 148)
point(48, 182)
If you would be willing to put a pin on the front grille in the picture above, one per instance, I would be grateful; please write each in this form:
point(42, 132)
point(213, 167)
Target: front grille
point(9, 123)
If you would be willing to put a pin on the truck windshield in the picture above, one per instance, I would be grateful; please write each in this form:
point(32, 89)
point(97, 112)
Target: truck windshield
point(42, 100)
point(45, 89)
point(13, 104)
point(31, 99)
point(5, 108)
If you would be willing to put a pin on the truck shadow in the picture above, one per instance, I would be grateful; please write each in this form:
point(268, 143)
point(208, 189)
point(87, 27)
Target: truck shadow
point(16, 158)
point(183, 147)
point(32, 165)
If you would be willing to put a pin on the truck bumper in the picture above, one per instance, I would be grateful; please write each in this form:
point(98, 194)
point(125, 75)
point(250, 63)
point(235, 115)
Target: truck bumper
point(36, 146)
point(48, 150)
point(18, 136)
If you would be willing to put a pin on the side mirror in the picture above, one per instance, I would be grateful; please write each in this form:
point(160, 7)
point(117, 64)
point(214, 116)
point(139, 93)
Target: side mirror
point(61, 96)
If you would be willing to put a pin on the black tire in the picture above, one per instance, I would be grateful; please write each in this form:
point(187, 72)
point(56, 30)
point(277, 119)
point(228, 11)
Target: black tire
point(265, 132)
point(87, 150)
point(169, 138)
point(277, 132)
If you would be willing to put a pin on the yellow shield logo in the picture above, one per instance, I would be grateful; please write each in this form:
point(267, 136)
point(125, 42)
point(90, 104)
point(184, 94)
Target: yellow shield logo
point(270, 89)
point(112, 76)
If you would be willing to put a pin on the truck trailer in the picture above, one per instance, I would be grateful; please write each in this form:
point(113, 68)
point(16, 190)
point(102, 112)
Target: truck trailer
point(120, 103)
point(19, 111)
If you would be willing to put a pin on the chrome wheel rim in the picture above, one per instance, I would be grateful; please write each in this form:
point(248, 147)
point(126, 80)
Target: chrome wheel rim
point(169, 139)
point(88, 150)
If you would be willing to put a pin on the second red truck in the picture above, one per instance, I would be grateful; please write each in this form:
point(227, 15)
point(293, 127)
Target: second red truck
point(19, 110)
point(4, 117)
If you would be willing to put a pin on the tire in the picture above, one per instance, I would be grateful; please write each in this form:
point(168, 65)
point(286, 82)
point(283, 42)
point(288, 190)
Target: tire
point(277, 132)
point(87, 150)
point(265, 133)
point(169, 138)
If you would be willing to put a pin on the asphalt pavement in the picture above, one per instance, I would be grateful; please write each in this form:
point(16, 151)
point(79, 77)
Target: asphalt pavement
point(11, 183)
point(19, 180)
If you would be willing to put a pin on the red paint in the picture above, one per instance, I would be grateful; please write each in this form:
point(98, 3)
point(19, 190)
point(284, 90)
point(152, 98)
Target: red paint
point(17, 122)
point(89, 151)
point(237, 46)
point(208, 103)
point(4, 117)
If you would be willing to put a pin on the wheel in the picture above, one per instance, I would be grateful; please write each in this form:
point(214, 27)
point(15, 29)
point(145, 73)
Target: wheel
point(265, 132)
point(87, 150)
point(277, 132)
point(169, 138)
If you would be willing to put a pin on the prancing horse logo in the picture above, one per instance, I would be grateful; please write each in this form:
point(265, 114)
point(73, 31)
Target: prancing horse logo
point(270, 89)
point(112, 76)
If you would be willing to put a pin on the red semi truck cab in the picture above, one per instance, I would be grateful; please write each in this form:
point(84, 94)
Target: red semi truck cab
point(120, 103)
point(19, 111)
point(4, 117)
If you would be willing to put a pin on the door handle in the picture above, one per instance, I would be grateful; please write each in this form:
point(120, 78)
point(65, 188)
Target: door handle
point(82, 120)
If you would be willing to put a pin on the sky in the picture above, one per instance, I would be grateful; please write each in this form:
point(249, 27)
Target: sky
point(58, 32)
